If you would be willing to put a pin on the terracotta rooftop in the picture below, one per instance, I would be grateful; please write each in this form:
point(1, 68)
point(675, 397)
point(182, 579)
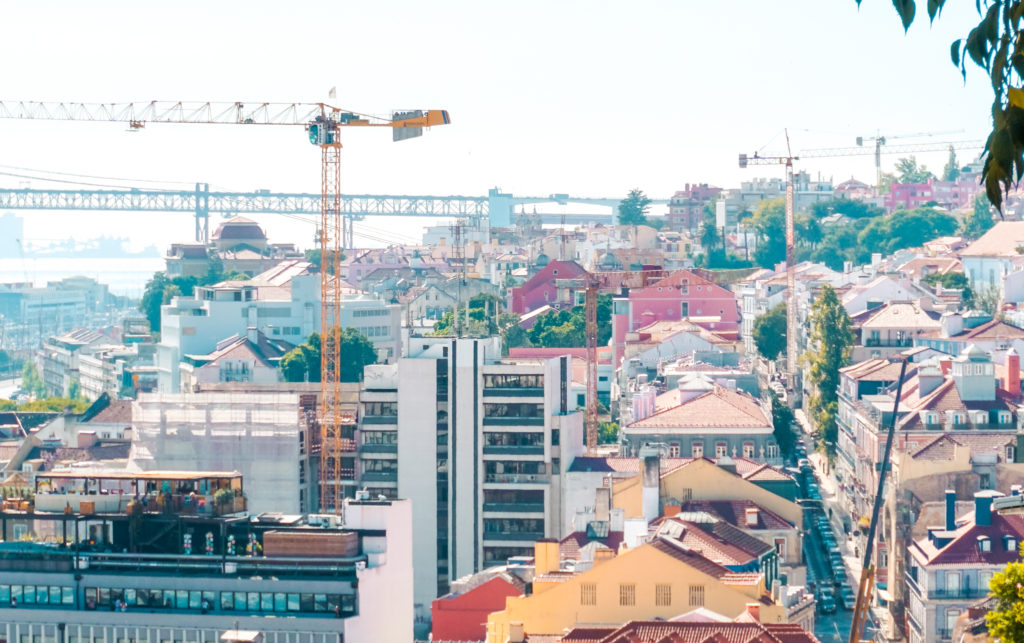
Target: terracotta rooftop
point(117, 412)
point(701, 632)
point(570, 546)
point(943, 447)
point(734, 512)
point(902, 315)
point(718, 408)
point(963, 548)
point(1001, 240)
point(994, 329)
point(678, 551)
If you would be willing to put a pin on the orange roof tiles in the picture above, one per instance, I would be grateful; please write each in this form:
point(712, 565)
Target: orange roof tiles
point(718, 408)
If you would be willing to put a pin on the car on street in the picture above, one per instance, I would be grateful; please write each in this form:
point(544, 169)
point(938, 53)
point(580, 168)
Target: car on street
point(826, 601)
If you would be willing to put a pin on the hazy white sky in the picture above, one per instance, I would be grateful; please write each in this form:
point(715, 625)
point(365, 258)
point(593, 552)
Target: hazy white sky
point(586, 97)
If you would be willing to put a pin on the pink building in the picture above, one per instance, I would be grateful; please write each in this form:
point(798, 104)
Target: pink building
point(686, 207)
point(953, 195)
point(541, 289)
point(681, 295)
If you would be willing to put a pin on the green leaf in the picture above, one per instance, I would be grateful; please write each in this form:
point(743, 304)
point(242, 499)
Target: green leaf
point(906, 9)
point(934, 8)
point(991, 23)
point(954, 52)
point(977, 47)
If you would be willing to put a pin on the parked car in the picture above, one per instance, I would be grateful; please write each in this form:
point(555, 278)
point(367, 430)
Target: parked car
point(826, 601)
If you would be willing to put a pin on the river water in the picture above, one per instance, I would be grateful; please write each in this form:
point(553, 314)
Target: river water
point(125, 275)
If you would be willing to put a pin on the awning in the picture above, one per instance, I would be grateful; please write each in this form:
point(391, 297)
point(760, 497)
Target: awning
point(884, 595)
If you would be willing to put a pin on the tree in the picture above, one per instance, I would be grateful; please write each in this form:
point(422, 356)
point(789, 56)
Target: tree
point(153, 299)
point(607, 432)
point(831, 340)
point(782, 421)
point(985, 298)
point(769, 223)
point(31, 382)
point(633, 209)
point(907, 171)
point(980, 220)
point(994, 45)
point(75, 390)
point(54, 405)
point(770, 332)
point(302, 363)
point(709, 237)
point(1006, 619)
point(950, 280)
point(7, 405)
point(951, 172)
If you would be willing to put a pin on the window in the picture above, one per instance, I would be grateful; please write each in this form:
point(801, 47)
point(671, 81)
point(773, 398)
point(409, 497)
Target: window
point(627, 594)
point(984, 544)
point(984, 580)
point(1011, 543)
point(588, 594)
point(952, 582)
point(662, 595)
point(780, 547)
point(697, 449)
point(721, 449)
point(380, 408)
point(748, 449)
point(696, 596)
point(673, 450)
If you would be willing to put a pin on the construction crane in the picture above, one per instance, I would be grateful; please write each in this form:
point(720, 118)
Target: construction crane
point(867, 571)
point(791, 321)
point(322, 123)
point(591, 283)
point(880, 140)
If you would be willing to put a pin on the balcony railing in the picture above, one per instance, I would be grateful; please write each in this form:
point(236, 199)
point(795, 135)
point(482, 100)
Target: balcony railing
point(380, 419)
point(380, 476)
point(506, 420)
point(961, 593)
point(527, 536)
point(511, 449)
point(514, 507)
point(379, 448)
point(517, 478)
point(514, 392)
point(882, 342)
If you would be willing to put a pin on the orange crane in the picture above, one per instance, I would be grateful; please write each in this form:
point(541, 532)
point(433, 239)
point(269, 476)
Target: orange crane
point(322, 122)
point(591, 283)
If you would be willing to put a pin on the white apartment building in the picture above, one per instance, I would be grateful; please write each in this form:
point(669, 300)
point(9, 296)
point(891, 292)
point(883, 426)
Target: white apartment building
point(283, 303)
point(478, 443)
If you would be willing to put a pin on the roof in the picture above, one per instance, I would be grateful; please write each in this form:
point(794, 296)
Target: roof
point(718, 408)
point(717, 540)
point(266, 351)
point(239, 227)
point(676, 550)
point(943, 447)
point(991, 330)
point(873, 370)
point(570, 546)
point(1001, 240)
point(117, 412)
point(141, 475)
point(734, 512)
point(962, 549)
point(902, 315)
point(700, 632)
point(745, 468)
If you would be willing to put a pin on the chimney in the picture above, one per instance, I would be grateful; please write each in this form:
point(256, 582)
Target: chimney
point(650, 497)
point(602, 504)
point(950, 510)
point(952, 324)
point(754, 609)
point(727, 463)
point(546, 557)
point(1012, 383)
point(929, 377)
point(516, 632)
point(752, 517)
point(86, 439)
point(253, 335)
point(983, 507)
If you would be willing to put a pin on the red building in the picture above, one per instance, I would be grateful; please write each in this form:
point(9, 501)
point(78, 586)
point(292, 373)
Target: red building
point(686, 207)
point(463, 617)
point(541, 289)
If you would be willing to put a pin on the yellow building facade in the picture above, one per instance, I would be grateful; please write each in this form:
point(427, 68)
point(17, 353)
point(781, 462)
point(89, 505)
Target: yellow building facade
point(659, 579)
point(701, 480)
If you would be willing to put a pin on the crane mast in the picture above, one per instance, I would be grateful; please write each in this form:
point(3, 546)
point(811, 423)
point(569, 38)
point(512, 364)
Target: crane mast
point(321, 123)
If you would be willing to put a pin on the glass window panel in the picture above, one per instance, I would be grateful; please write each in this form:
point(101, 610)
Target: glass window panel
point(5, 594)
point(320, 602)
point(306, 602)
point(142, 597)
point(28, 594)
point(240, 601)
point(227, 601)
point(16, 593)
point(210, 598)
point(116, 595)
point(54, 593)
point(195, 599)
point(67, 595)
point(266, 602)
point(131, 597)
point(293, 602)
point(181, 599)
point(280, 602)
point(253, 604)
point(43, 595)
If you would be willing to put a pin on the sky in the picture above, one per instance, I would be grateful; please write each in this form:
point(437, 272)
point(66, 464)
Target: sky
point(590, 98)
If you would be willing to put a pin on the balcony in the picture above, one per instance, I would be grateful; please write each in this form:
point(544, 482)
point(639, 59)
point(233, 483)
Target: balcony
point(513, 421)
point(380, 419)
point(379, 448)
point(526, 536)
point(380, 476)
point(883, 342)
point(956, 594)
point(517, 478)
point(514, 507)
point(514, 392)
point(347, 445)
point(514, 449)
